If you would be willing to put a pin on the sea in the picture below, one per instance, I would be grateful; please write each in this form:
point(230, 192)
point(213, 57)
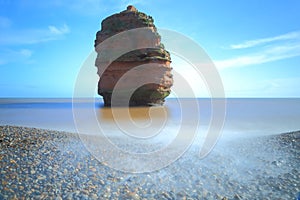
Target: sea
point(236, 116)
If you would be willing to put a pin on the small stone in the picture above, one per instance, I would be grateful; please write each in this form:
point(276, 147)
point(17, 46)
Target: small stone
point(93, 169)
point(275, 163)
point(102, 182)
point(236, 196)
point(13, 161)
point(41, 177)
point(94, 196)
point(85, 192)
point(205, 193)
point(166, 195)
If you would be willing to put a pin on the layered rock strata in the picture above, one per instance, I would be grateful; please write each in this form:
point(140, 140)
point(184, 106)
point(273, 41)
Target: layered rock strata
point(155, 61)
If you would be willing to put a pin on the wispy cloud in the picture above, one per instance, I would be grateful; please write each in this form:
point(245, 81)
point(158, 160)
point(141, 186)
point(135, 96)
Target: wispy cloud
point(10, 56)
point(279, 87)
point(32, 36)
point(12, 40)
point(266, 50)
point(262, 41)
point(59, 31)
point(268, 55)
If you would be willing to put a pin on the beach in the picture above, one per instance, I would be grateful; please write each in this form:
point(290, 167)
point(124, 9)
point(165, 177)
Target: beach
point(45, 164)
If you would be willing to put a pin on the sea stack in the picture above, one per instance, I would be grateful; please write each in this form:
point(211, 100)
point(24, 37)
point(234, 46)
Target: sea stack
point(148, 94)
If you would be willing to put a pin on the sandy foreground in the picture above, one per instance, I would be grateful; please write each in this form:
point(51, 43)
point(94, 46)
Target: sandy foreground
point(45, 164)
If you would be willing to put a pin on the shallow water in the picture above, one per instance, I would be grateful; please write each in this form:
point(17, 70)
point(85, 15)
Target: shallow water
point(243, 116)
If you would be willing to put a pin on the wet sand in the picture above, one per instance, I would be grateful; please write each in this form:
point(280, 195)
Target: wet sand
point(46, 164)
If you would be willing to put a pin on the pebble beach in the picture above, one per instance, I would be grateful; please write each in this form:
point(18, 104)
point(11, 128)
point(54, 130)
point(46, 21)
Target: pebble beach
point(45, 164)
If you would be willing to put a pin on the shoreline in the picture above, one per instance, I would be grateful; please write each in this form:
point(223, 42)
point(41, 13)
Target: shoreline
point(39, 163)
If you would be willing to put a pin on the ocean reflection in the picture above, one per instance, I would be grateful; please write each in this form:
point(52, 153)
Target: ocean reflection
point(134, 113)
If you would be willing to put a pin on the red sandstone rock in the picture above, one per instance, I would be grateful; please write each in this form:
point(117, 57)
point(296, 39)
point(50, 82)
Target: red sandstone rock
point(147, 65)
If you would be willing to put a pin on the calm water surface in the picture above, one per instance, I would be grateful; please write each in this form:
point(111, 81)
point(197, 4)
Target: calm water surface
point(243, 116)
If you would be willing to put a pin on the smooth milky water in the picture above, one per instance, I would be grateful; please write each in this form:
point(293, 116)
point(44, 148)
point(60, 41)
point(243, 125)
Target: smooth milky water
point(243, 116)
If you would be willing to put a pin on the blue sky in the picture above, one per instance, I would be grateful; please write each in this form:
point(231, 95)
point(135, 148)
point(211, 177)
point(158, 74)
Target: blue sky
point(254, 44)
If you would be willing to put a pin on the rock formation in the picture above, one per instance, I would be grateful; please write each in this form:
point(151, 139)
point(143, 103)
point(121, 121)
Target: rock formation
point(152, 93)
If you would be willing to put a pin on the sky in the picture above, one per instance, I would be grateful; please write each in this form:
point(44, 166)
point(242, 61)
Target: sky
point(254, 44)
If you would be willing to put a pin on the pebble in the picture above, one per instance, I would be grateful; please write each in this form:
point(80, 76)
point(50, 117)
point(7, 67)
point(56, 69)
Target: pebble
point(236, 196)
point(57, 166)
point(41, 177)
point(94, 196)
point(166, 195)
point(102, 182)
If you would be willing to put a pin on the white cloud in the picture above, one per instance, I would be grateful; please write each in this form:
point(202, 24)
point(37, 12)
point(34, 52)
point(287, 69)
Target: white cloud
point(257, 42)
point(269, 55)
point(59, 31)
point(32, 36)
point(270, 49)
